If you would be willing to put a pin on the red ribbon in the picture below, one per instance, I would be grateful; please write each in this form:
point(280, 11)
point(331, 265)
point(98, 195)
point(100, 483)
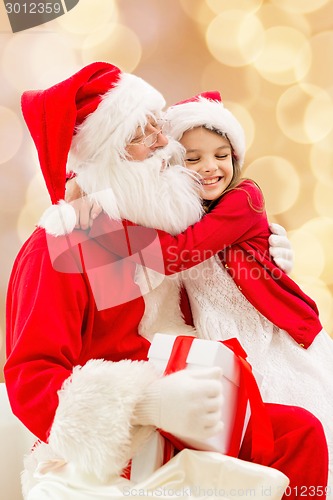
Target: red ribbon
point(177, 361)
point(262, 433)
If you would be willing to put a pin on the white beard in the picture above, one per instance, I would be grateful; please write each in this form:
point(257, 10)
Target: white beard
point(150, 193)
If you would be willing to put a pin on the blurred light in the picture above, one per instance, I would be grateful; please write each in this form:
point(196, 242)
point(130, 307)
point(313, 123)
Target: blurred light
point(323, 199)
point(149, 33)
point(278, 180)
point(304, 113)
point(309, 254)
point(12, 188)
point(198, 11)
point(118, 45)
point(318, 121)
point(27, 219)
point(4, 21)
point(37, 200)
point(320, 229)
point(235, 37)
point(321, 160)
point(11, 134)
point(300, 6)
point(37, 60)
point(37, 190)
point(219, 6)
point(272, 15)
point(321, 71)
point(88, 16)
point(245, 119)
point(286, 56)
point(242, 85)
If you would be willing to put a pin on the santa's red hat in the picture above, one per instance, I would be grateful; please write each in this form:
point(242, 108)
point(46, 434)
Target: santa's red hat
point(99, 103)
point(206, 109)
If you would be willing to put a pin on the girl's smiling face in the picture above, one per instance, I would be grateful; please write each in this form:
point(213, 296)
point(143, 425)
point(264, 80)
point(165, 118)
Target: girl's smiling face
point(210, 155)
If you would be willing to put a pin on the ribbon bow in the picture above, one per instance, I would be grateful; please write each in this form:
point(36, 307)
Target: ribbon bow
point(262, 433)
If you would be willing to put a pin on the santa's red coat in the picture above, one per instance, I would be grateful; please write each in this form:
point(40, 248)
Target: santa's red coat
point(53, 325)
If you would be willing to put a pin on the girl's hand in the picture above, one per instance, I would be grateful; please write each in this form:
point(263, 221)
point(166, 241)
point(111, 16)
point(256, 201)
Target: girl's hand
point(85, 209)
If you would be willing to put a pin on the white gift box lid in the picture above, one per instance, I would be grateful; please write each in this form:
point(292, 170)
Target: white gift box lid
point(202, 353)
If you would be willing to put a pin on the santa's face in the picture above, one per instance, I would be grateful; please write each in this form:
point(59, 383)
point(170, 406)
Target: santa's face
point(146, 142)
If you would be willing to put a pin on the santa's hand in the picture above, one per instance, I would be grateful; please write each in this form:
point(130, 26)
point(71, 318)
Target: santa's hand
point(187, 403)
point(280, 248)
point(86, 210)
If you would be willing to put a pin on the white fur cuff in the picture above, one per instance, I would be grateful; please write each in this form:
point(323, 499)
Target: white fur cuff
point(92, 425)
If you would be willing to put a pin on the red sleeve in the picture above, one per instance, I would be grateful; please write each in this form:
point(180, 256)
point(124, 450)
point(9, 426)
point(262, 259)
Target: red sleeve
point(45, 311)
point(239, 216)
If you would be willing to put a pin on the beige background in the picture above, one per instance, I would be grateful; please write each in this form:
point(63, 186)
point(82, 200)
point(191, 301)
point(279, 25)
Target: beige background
point(270, 59)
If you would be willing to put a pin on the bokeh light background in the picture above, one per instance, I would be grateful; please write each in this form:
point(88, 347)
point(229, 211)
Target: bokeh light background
point(270, 59)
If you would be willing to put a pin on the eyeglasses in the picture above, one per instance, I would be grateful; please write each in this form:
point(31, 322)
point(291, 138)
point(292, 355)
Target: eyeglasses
point(148, 141)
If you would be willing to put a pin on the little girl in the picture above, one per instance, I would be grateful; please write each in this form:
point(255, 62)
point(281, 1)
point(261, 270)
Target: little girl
point(240, 292)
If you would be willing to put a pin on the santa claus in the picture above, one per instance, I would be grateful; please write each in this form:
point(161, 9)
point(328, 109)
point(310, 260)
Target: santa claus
point(80, 318)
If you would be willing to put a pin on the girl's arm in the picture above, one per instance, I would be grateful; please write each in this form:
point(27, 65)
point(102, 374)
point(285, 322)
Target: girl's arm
point(239, 216)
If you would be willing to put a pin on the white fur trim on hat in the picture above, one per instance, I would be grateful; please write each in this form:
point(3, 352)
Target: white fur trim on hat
point(208, 113)
point(113, 124)
point(58, 219)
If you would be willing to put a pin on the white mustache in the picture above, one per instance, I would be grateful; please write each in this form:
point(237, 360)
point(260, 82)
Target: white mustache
point(171, 154)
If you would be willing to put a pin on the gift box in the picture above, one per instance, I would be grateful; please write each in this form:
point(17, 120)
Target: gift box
point(148, 459)
point(241, 393)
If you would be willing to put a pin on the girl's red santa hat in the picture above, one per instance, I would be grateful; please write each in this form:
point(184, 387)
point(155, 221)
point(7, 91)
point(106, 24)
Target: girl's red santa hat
point(96, 106)
point(206, 110)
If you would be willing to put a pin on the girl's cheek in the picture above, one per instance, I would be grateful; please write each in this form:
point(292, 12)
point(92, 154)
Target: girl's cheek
point(194, 168)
